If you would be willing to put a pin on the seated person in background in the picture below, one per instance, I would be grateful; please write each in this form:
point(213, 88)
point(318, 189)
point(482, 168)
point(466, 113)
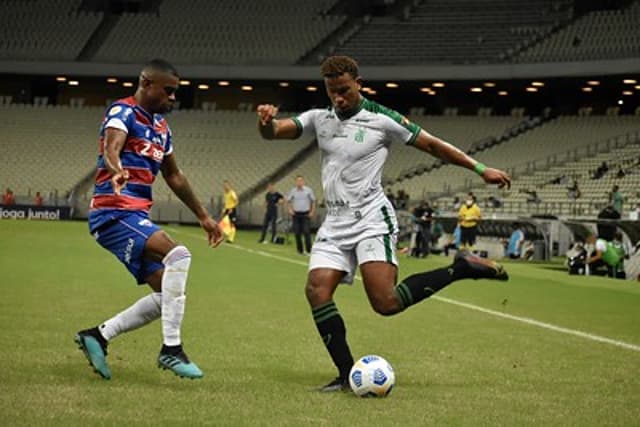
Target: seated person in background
point(609, 255)
point(532, 196)
point(602, 169)
point(574, 191)
point(493, 202)
point(516, 241)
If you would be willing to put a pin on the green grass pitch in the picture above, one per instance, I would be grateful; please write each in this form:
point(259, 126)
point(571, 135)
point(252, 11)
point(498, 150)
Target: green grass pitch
point(248, 327)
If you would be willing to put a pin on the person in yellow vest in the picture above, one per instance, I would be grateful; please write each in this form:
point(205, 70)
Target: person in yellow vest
point(469, 216)
point(230, 205)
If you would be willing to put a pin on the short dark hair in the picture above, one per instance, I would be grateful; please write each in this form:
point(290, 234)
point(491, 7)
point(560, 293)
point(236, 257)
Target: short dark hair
point(160, 65)
point(335, 66)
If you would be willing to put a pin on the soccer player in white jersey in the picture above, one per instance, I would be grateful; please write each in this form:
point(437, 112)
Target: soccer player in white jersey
point(360, 229)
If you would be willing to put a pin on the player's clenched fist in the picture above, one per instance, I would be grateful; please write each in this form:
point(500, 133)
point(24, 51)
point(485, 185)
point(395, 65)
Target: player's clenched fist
point(119, 180)
point(266, 113)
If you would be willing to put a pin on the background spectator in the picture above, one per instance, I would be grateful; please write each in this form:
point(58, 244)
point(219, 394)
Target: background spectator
point(8, 198)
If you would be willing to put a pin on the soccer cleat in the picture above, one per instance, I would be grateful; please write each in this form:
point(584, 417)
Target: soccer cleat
point(339, 384)
point(179, 363)
point(476, 267)
point(94, 351)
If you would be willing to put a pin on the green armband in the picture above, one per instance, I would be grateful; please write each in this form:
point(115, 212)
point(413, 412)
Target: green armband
point(479, 168)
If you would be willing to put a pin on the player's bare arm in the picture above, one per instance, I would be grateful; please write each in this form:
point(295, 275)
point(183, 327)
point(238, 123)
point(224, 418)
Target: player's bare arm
point(114, 140)
point(179, 184)
point(450, 154)
point(270, 128)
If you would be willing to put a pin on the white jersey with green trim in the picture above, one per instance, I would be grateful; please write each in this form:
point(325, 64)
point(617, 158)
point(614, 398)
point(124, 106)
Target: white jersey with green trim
point(353, 151)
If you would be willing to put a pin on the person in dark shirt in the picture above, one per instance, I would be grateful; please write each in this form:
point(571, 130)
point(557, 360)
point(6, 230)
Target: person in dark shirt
point(271, 201)
point(424, 221)
point(607, 229)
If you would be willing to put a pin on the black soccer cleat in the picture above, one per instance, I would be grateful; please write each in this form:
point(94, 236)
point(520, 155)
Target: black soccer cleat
point(94, 348)
point(339, 384)
point(475, 267)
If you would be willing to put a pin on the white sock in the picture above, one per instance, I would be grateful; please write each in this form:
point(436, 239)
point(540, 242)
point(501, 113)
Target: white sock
point(145, 310)
point(174, 282)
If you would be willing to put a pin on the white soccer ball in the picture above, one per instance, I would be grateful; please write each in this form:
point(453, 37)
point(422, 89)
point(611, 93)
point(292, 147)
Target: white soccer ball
point(372, 376)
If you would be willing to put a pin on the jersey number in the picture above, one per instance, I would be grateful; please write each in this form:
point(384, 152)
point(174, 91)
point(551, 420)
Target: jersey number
point(149, 151)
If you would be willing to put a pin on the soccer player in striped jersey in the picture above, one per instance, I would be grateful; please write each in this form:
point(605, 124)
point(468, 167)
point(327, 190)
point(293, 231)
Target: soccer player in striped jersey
point(360, 229)
point(135, 144)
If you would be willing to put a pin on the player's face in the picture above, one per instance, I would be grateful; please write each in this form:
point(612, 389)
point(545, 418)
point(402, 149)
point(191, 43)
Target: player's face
point(160, 91)
point(300, 182)
point(344, 91)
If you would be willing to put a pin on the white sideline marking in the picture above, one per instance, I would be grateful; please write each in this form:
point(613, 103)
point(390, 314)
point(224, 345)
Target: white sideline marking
point(526, 320)
point(543, 325)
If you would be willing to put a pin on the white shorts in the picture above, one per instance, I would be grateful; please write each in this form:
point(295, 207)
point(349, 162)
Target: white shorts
point(327, 254)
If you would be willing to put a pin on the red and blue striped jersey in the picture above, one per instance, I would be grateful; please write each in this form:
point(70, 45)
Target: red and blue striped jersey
point(148, 141)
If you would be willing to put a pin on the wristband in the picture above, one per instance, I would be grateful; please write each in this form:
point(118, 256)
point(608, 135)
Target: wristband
point(479, 168)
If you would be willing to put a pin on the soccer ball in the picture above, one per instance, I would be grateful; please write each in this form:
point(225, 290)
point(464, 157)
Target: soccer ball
point(372, 376)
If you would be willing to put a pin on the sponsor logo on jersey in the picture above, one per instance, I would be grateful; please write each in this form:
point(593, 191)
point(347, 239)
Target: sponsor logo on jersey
point(145, 223)
point(115, 110)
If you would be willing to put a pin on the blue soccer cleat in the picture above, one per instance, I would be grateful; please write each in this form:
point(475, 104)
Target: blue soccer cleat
point(95, 351)
point(178, 362)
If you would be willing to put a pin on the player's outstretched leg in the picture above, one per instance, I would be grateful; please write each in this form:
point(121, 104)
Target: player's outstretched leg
point(174, 281)
point(94, 347)
point(417, 287)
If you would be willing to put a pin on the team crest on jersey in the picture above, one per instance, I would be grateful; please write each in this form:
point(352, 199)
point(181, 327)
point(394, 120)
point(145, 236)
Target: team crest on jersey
point(115, 110)
point(359, 136)
point(145, 223)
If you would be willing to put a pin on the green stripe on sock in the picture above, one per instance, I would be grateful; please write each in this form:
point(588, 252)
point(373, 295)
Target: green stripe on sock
point(329, 315)
point(407, 293)
point(323, 308)
point(324, 311)
point(404, 294)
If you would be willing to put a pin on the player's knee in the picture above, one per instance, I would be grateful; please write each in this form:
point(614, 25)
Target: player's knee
point(385, 305)
point(316, 293)
point(178, 258)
